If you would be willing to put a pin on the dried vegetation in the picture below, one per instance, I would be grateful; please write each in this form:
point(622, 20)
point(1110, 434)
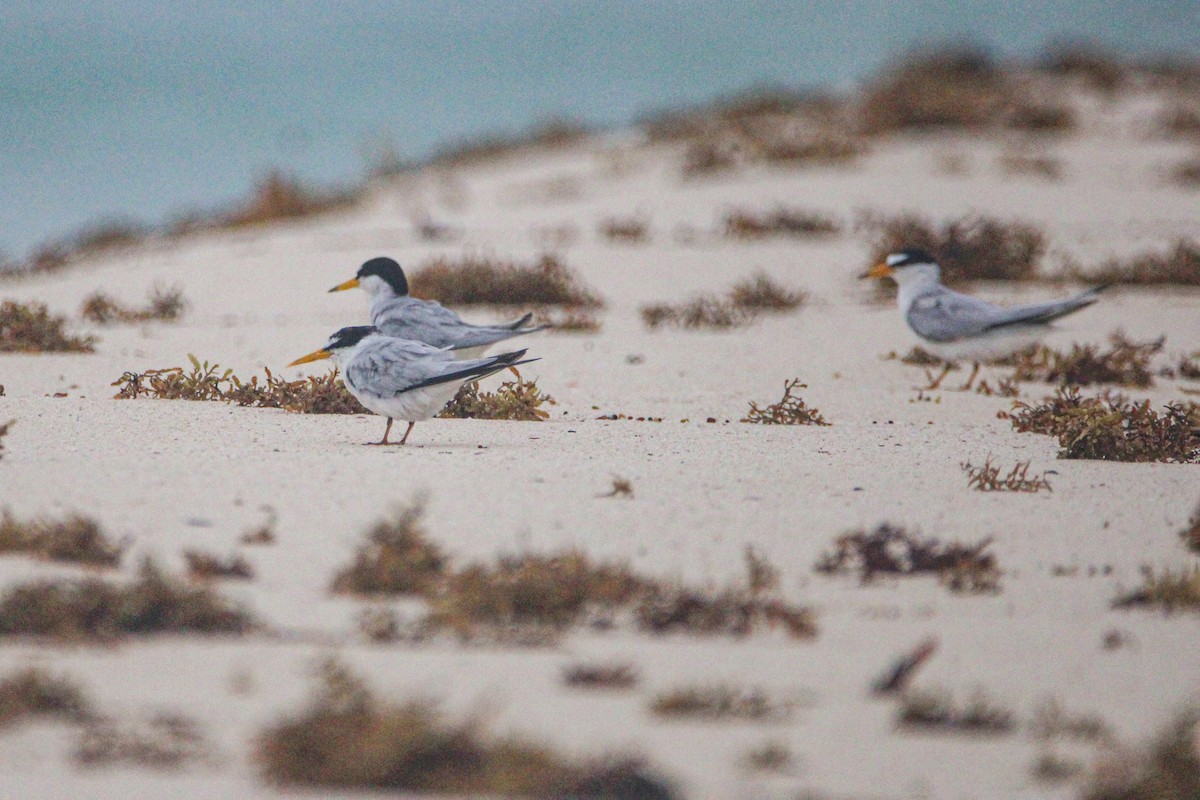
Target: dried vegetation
point(773, 127)
point(1111, 427)
point(741, 305)
point(936, 710)
point(347, 737)
point(988, 478)
point(75, 539)
point(165, 741)
point(740, 223)
point(891, 550)
point(92, 609)
point(488, 281)
point(34, 693)
point(1124, 363)
point(607, 677)
point(534, 598)
point(1168, 589)
point(626, 230)
point(163, 305)
point(518, 401)
point(324, 394)
point(206, 566)
point(972, 248)
point(720, 701)
point(1179, 266)
point(29, 328)
point(788, 410)
point(1167, 769)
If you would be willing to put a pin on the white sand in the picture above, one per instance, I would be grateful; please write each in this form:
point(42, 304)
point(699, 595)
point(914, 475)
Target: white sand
point(167, 476)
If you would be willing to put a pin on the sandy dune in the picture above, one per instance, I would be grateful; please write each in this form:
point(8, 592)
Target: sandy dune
point(170, 475)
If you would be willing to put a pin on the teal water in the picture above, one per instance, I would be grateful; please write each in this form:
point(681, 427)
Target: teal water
point(142, 108)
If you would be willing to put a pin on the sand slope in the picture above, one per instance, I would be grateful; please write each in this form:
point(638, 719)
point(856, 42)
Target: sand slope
point(170, 475)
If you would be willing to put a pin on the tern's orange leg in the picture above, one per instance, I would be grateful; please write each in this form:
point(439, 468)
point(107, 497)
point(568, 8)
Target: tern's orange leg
point(386, 431)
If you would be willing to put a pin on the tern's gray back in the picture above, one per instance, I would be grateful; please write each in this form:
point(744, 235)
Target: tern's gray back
point(386, 366)
point(941, 315)
point(430, 322)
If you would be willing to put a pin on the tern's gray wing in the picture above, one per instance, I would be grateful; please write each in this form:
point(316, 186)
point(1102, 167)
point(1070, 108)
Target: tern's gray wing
point(429, 321)
point(1044, 313)
point(944, 316)
point(390, 366)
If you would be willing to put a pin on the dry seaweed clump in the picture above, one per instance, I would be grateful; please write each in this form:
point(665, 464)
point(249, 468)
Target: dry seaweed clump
point(1125, 363)
point(164, 305)
point(29, 328)
point(347, 737)
point(76, 539)
point(1111, 427)
point(788, 410)
point(704, 311)
point(891, 550)
point(397, 558)
point(971, 248)
point(94, 609)
point(740, 223)
point(275, 196)
point(761, 293)
point(165, 741)
point(535, 597)
point(323, 394)
point(488, 281)
point(1168, 589)
point(988, 478)
point(1179, 266)
point(738, 610)
point(937, 711)
point(720, 701)
point(608, 677)
point(951, 86)
point(1168, 769)
point(741, 305)
point(629, 230)
point(206, 566)
point(1191, 534)
point(519, 401)
point(32, 692)
point(518, 597)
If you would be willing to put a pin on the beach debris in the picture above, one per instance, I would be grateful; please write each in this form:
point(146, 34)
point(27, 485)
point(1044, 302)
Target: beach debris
point(898, 676)
point(621, 487)
point(788, 410)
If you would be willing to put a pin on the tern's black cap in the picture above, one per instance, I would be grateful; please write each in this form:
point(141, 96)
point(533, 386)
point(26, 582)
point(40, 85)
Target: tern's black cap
point(350, 336)
point(909, 255)
point(387, 269)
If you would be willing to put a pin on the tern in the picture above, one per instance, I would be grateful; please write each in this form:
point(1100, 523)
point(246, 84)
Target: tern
point(956, 326)
point(395, 313)
point(401, 379)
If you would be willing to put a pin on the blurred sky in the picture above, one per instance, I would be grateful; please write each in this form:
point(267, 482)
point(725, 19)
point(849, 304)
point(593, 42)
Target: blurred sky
point(141, 108)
